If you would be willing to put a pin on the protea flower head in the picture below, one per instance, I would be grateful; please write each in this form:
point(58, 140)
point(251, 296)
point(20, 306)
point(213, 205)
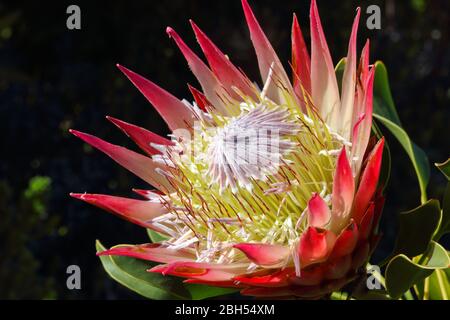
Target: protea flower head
point(272, 190)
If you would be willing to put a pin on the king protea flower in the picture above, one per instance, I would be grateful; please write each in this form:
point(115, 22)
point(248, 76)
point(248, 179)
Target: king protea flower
point(297, 219)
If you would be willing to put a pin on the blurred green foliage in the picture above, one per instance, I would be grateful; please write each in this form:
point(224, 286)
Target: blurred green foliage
point(22, 225)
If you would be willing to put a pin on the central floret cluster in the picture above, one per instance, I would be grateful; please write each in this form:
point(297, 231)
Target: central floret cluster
point(246, 178)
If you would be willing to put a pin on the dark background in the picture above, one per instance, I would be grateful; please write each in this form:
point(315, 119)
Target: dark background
point(53, 79)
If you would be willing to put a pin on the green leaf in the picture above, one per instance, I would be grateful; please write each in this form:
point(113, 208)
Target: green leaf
point(445, 168)
point(373, 295)
point(385, 172)
point(416, 229)
point(436, 286)
point(132, 274)
point(339, 70)
point(444, 226)
point(439, 285)
point(382, 91)
point(402, 273)
point(156, 237)
point(200, 292)
point(385, 112)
